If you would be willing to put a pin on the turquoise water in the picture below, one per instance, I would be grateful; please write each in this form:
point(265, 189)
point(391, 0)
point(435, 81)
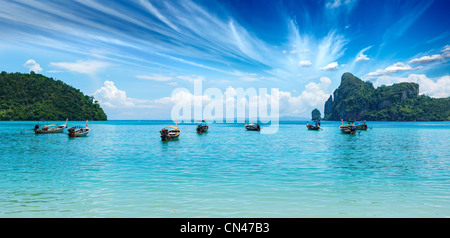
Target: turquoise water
point(122, 169)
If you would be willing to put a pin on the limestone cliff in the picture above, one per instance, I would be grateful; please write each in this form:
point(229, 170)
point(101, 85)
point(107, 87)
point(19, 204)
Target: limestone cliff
point(355, 99)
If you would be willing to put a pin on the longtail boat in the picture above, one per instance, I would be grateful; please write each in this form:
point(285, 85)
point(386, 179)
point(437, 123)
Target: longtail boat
point(349, 128)
point(170, 133)
point(78, 131)
point(252, 127)
point(314, 127)
point(361, 126)
point(202, 128)
point(48, 129)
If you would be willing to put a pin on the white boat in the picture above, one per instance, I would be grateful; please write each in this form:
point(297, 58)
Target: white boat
point(78, 131)
point(170, 133)
point(47, 129)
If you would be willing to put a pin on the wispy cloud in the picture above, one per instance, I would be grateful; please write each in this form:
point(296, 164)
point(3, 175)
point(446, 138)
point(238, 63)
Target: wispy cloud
point(182, 32)
point(426, 59)
point(155, 77)
point(361, 56)
point(80, 66)
point(433, 58)
point(148, 6)
point(413, 11)
point(338, 3)
point(313, 54)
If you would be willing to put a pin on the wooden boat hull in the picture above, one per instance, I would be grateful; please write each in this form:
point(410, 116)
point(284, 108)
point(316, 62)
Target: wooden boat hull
point(169, 137)
point(73, 135)
point(361, 127)
point(313, 128)
point(78, 133)
point(50, 130)
point(252, 127)
point(347, 130)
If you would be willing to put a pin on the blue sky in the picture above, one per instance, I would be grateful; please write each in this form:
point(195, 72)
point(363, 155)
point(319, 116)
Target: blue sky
point(131, 55)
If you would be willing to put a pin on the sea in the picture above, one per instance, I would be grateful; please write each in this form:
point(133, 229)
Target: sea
point(123, 169)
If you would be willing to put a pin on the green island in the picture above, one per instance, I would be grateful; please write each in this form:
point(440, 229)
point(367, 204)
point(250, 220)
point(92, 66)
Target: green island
point(357, 100)
point(315, 115)
point(32, 97)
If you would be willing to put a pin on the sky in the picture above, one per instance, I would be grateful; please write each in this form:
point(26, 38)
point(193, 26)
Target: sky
point(132, 54)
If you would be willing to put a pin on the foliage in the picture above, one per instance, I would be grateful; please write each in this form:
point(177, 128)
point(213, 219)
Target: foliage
point(36, 97)
point(358, 100)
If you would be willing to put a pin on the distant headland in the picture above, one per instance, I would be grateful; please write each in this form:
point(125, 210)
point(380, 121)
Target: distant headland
point(357, 100)
point(33, 97)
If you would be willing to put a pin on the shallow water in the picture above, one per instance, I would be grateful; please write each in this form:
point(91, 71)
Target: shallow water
point(122, 169)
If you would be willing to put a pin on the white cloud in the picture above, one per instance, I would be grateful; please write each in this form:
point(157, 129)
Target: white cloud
point(305, 63)
point(165, 78)
point(434, 88)
point(446, 48)
point(33, 66)
point(84, 67)
point(398, 67)
point(248, 76)
point(333, 4)
point(426, 59)
point(330, 67)
point(446, 52)
point(119, 105)
point(110, 96)
point(391, 69)
point(438, 89)
point(361, 56)
point(433, 58)
point(191, 78)
point(338, 3)
point(313, 96)
point(155, 77)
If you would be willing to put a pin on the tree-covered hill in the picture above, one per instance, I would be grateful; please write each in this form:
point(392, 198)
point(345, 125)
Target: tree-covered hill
point(355, 99)
point(36, 97)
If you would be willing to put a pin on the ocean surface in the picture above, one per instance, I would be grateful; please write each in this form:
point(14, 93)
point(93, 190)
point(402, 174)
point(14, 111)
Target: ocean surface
point(123, 169)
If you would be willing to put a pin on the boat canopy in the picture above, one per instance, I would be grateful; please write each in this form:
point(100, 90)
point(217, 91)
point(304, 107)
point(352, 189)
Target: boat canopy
point(174, 127)
point(50, 125)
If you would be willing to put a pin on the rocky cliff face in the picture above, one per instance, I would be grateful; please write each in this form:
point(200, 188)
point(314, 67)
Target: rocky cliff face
point(355, 99)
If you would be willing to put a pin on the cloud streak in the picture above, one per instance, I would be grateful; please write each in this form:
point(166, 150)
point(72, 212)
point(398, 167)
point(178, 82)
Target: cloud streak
point(84, 67)
point(433, 58)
